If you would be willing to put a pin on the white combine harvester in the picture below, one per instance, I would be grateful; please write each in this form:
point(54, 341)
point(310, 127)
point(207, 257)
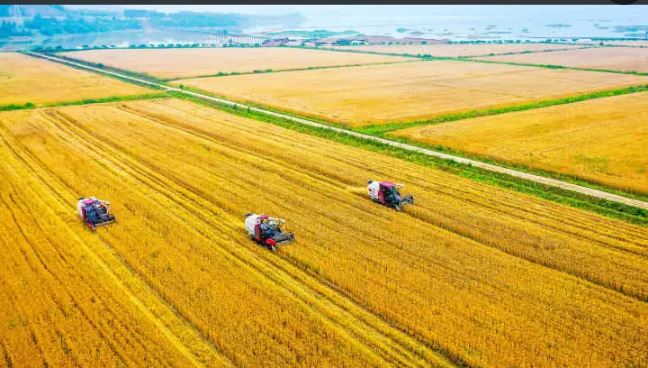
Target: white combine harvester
point(266, 231)
point(387, 194)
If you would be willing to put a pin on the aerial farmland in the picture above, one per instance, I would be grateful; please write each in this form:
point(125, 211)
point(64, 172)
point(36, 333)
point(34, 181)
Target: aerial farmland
point(403, 205)
point(163, 194)
point(381, 94)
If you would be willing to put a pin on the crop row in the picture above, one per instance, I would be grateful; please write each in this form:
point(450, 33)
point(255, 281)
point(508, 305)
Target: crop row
point(469, 267)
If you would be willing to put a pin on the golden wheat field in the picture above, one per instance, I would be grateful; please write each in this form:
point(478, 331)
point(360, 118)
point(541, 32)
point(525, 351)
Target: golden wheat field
point(470, 275)
point(381, 94)
point(459, 50)
point(613, 58)
point(601, 140)
point(176, 63)
point(26, 79)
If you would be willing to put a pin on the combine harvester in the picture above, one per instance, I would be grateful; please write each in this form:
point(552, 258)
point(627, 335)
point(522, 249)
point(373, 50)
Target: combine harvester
point(266, 231)
point(94, 212)
point(387, 194)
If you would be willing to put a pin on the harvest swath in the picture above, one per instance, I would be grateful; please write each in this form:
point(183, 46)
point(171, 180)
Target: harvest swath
point(458, 50)
point(601, 140)
point(613, 58)
point(175, 63)
point(468, 268)
point(380, 94)
point(26, 79)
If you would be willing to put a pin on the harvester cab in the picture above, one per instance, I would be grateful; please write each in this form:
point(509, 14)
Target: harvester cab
point(94, 212)
point(267, 231)
point(386, 193)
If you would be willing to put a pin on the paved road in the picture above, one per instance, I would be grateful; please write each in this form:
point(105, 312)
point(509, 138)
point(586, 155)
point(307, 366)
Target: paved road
point(494, 168)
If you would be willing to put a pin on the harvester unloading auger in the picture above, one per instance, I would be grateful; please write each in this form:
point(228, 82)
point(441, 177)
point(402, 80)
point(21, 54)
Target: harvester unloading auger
point(386, 193)
point(266, 231)
point(94, 212)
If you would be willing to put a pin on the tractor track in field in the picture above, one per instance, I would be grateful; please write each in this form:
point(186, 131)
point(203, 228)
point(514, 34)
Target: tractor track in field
point(428, 152)
point(393, 344)
point(109, 258)
point(109, 342)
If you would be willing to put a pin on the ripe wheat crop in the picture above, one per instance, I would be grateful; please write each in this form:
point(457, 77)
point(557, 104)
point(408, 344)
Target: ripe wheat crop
point(176, 63)
point(470, 274)
point(25, 79)
point(612, 58)
point(379, 94)
point(602, 140)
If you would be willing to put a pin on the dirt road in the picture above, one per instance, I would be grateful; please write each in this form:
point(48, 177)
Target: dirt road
point(490, 167)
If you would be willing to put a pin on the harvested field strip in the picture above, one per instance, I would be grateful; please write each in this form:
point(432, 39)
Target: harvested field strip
point(124, 320)
point(414, 269)
point(385, 342)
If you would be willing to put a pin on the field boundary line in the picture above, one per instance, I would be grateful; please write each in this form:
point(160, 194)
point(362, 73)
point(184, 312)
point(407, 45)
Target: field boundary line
point(425, 56)
point(271, 71)
point(482, 59)
point(86, 101)
point(428, 152)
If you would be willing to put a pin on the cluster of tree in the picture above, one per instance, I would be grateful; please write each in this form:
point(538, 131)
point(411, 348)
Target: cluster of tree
point(72, 24)
point(53, 49)
point(8, 29)
point(51, 20)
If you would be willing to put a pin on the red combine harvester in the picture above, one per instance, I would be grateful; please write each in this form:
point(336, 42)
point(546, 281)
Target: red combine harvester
point(94, 212)
point(266, 231)
point(386, 193)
